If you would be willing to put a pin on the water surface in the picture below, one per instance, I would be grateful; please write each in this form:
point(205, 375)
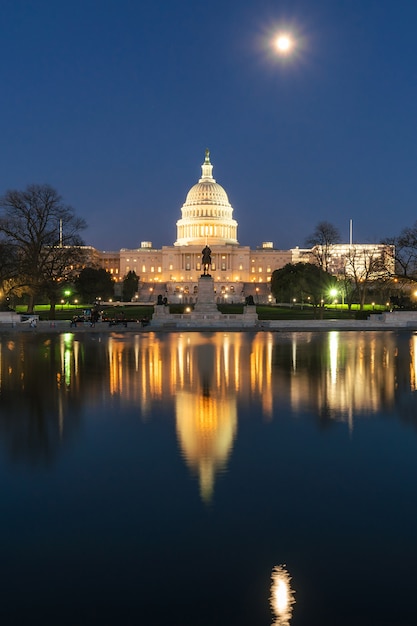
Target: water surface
point(165, 478)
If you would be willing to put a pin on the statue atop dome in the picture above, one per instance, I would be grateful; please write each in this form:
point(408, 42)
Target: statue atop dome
point(207, 159)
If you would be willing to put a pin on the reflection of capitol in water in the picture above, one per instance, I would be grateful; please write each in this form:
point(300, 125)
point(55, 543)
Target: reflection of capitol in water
point(338, 378)
point(206, 429)
point(207, 379)
point(335, 375)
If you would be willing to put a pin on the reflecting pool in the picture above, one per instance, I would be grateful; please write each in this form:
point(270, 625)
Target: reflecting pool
point(208, 479)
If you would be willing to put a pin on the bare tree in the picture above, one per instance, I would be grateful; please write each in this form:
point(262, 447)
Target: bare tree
point(405, 252)
point(44, 234)
point(365, 267)
point(322, 241)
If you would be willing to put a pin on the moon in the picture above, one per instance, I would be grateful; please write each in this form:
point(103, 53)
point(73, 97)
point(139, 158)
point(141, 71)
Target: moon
point(284, 43)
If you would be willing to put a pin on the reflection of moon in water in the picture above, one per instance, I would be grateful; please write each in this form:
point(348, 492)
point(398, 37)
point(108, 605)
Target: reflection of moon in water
point(282, 596)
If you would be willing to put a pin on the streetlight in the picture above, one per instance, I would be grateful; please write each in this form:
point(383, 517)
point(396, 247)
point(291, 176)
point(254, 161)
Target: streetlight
point(67, 294)
point(333, 293)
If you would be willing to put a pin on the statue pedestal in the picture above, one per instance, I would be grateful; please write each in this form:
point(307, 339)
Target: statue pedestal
point(206, 296)
point(205, 314)
point(160, 311)
point(249, 314)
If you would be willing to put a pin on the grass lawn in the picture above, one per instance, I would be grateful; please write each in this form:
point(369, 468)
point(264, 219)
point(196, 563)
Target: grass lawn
point(265, 312)
point(67, 311)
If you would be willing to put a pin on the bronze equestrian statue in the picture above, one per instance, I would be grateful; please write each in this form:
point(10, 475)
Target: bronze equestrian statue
point(206, 260)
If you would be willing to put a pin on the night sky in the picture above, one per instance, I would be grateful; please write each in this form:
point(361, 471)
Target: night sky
point(113, 103)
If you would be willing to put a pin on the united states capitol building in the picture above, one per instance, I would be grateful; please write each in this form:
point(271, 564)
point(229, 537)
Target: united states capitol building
point(238, 271)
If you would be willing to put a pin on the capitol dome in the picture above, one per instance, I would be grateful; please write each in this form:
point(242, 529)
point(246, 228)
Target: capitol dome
point(206, 213)
point(207, 192)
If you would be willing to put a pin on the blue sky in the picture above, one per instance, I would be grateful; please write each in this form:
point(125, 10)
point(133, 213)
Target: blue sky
point(114, 102)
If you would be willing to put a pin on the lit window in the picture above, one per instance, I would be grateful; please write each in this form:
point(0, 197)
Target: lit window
point(152, 269)
point(143, 268)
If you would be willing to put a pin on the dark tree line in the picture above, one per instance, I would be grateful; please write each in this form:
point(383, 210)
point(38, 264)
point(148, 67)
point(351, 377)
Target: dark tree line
point(130, 285)
point(92, 284)
point(302, 282)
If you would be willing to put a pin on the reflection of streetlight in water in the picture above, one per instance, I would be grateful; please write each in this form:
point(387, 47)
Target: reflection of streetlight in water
point(282, 596)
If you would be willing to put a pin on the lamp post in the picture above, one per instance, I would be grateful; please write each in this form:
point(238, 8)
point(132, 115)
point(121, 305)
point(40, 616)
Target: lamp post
point(67, 294)
point(333, 293)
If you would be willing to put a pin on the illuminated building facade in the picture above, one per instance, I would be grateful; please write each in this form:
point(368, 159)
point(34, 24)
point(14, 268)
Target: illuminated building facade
point(238, 271)
point(363, 260)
